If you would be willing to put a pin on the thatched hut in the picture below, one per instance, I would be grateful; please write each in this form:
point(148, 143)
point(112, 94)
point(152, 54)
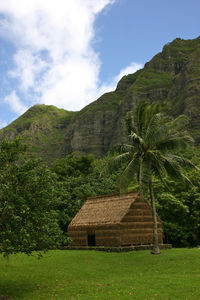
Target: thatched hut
point(113, 220)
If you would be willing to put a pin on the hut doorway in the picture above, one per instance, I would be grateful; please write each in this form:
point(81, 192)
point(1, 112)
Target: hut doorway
point(91, 240)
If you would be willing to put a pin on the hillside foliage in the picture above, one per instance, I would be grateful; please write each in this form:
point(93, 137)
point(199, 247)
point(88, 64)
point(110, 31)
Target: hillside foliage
point(38, 202)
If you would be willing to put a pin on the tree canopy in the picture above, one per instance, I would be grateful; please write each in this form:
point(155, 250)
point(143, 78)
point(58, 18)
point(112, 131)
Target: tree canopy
point(28, 213)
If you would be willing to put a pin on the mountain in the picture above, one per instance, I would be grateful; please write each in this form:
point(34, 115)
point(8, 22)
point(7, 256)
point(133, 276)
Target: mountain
point(171, 77)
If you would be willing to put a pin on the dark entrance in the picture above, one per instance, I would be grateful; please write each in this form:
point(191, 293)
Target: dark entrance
point(91, 240)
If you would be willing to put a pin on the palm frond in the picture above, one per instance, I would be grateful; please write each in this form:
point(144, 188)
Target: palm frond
point(165, 132)
point(160, 176)
point(140, 119)
point(129, 121)
point(153, 131)
point(117, 161)
point(126, 148)
point(157, 163)
point(174, 168)
point(128, 174)
point(179, 123)
point(174, 141)
point(122, 148)
point(184, 162)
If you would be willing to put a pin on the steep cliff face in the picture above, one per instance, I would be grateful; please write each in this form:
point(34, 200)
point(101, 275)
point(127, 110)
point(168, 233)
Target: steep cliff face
point(172, 77)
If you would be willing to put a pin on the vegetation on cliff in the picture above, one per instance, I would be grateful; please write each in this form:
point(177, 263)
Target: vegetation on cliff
point(171, 77)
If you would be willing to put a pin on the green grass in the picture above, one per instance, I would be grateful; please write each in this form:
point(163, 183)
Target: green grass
point(99, 275)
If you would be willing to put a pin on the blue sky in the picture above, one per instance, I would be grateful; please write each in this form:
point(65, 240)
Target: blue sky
point(68, 53)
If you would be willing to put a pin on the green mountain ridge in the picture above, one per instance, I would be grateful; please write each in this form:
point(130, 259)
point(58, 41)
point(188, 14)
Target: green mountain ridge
point(171, 77)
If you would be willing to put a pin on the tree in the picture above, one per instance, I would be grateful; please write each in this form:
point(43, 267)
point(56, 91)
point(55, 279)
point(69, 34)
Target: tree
point(154, 139)
point(179, 209)
point(73, 165)
point(28, 216)
point(77, 178)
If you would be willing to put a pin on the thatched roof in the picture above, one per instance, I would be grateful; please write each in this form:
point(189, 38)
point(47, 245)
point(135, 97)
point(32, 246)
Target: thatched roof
point(107, 209)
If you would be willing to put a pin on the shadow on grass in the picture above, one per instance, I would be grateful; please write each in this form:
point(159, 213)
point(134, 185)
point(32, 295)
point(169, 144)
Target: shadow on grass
point(11, 290)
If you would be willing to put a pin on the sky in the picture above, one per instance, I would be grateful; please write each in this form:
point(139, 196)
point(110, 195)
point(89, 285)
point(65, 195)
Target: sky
point(67, 53)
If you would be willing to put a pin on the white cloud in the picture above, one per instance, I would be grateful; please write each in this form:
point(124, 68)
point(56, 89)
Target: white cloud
point(15, 104)
point(54, 60)
point(29, 68)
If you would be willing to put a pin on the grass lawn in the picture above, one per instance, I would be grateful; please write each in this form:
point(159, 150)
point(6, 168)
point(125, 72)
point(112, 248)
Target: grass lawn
point(175, 274)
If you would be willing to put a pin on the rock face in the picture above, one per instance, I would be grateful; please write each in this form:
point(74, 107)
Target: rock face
point(172, 77)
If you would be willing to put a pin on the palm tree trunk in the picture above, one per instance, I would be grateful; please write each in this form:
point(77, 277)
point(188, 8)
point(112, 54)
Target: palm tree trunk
point(156, 249)
point(140, 181)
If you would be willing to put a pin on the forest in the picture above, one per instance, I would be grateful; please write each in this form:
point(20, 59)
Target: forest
point(39, 201)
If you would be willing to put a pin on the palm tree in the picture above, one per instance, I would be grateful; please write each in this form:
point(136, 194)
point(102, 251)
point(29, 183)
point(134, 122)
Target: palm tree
point(154, 139)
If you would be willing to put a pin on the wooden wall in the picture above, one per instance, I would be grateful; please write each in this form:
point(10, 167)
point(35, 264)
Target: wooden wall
point(106, 235)
point(136, 228)
point(137, 225)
